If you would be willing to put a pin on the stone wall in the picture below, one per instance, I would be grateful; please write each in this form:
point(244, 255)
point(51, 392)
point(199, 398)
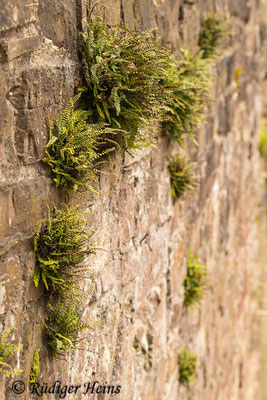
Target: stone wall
point(139, 276)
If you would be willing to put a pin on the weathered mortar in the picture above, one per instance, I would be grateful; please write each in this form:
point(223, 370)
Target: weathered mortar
point(138, 279)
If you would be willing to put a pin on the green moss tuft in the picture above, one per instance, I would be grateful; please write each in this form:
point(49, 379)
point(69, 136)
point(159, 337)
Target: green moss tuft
point(187, 363)
point(7, 350)
point(35, 368)
point(213, 29)
point(181, 176)
point(61, 245)
point(195, 281)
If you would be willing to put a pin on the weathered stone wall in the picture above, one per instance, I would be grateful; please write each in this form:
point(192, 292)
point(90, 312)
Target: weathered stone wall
point(138, 279)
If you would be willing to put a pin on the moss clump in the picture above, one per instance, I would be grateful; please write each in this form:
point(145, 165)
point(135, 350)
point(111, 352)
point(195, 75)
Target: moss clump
point(123, 73)
point(187, 363)
point(7, 350)
point(181, 176)
point(75, 147)
point(195, 281)
point(35, 368)
point(189, 82)
point(213, 29)
point(61, 245)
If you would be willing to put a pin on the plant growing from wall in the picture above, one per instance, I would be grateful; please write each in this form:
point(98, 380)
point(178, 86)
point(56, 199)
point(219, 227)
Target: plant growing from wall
point(181, 176)
point(124, 73)
point(61, 245)
point(64, 322)
point(35, 367)
point(213, 29)
point(76, 148)
point(195, 281)
point(189, 81)
point(7, 350)
point(187, 363)
point(263, 139)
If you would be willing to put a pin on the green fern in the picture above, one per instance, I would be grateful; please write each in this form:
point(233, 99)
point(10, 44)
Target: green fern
point(123, 74)
point(195, 281)
point(181, 176)
point(7, 350)
point(61, 245)
point(187, 363)
point(35, 368)
point(76, 148)
point(189, 82)
point(213, 29)
point(64, 322)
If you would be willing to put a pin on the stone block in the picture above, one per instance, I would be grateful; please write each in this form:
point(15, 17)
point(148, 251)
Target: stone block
point(62, 26)
point(16, 13)
point(240, 8)
point(17, 47)
point(5, 211)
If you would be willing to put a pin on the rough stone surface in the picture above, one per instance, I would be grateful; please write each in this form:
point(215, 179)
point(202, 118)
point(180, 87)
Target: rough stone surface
point(138, 295)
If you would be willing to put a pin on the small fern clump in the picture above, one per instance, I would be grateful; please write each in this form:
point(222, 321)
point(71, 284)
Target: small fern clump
point(181, 176)
point(213, 29)
point(35, 367)
point(7, 350)
point(195, 281)
point(263, 140)
point(64, 322)
point(124, 74)
point(187, 363)
point(75, 148)
point(189, 82)
point(61, 245)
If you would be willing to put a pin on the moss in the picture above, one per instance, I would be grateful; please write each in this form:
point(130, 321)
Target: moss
point(187, 363)
point(213, 29)
point(7, 351)
point(35, 367)
point(195, 280)
point(181, 176)
point(61, 245)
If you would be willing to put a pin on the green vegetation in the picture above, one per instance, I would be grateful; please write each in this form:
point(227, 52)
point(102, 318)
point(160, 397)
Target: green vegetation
point(187, 363)
point(61, 245)
point(7, 350)
point(195, 281)
point(35, 368)
point(64, 323)
point(213, 29)
point(263, 140)
point(181, 176)
point(124, 72)
point(130, 83)
point(76, 148)
point(189, 81)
